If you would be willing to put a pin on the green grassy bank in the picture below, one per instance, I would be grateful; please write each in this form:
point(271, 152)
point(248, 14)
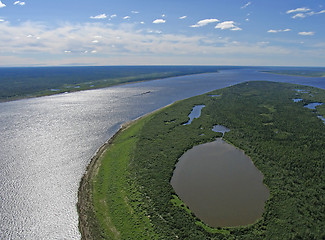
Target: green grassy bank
point(126, 192)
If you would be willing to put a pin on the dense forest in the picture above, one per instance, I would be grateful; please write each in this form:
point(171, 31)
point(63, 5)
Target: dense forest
point(18, 83)
point(129, 195)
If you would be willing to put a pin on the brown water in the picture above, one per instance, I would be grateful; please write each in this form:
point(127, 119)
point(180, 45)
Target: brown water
point(220, 184)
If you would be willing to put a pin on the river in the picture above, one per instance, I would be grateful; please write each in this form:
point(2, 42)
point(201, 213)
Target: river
point(46, 144)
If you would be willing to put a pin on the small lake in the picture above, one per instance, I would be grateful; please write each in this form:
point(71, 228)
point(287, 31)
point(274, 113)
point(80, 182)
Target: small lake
point(195, 113)
point(220, 129)
point(313, 105)
point(220, 185)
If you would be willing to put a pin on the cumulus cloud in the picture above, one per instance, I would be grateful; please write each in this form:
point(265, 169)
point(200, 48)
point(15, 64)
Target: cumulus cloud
point(122, 45)
point(279, 30)
point(306, 33)
point(127, 17)
point(2, 4)
point(19, 3)
point(182, 17)
point(246, 5)
point(100, 16)
point(228, 25)
point(157, 21)
point(204, 22)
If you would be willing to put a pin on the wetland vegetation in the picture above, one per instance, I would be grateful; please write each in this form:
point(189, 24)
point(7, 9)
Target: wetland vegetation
point(126, 192)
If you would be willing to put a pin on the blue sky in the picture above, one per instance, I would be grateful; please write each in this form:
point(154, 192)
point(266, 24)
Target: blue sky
point(165, 32)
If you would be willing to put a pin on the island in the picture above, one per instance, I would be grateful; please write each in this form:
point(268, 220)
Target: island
point(126, 192)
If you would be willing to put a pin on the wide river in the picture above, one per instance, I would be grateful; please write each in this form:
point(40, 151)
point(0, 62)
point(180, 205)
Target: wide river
point(46, 144)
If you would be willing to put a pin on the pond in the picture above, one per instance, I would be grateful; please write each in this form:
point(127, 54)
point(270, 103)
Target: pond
point(220, 185)
point(195, 113)
point(313, 105)
point(221, 129)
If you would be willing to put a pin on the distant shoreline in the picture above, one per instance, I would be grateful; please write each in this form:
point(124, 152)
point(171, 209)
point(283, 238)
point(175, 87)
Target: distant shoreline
point(24, 83)
point(314, 74)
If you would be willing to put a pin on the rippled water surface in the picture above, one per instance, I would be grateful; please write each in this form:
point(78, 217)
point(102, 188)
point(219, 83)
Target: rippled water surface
point(46, 144)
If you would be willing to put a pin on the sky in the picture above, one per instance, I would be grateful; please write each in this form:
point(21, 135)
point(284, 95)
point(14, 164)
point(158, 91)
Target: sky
point(162, 32)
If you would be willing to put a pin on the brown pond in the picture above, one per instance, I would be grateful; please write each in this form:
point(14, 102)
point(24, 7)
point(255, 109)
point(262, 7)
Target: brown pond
point(220, 184)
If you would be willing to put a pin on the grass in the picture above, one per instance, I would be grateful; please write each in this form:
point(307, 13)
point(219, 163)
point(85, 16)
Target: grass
point(113, 205)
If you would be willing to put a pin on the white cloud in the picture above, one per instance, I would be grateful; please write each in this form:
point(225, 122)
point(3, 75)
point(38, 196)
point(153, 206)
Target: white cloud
point(127, 17)
point(315, 13)
point(303, 12)
point(299, 15)
point(2, 20)
point(2, 4)
point(228, 25)
point(246, 5)
point(280, 30)
point(125, 45)
point(100, 16)
point(157, 21)
point(135, 12)
point(183, 17)
point(306, 33)
point(303, 9)
point(113, 16)
point(204, 22)
point(19, 3)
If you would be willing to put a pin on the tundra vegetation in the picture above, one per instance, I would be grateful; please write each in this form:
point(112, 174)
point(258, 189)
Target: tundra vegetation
point(129, 195)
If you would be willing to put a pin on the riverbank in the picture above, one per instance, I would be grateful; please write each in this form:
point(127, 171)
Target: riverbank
point(87, 220)
point(89, 223)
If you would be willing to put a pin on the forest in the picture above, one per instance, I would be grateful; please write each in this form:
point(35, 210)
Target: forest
point(315, 72)
point(16, 83)
point(128, 192)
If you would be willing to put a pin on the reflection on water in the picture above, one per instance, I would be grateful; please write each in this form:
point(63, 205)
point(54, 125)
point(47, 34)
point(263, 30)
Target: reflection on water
point(220, 184)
